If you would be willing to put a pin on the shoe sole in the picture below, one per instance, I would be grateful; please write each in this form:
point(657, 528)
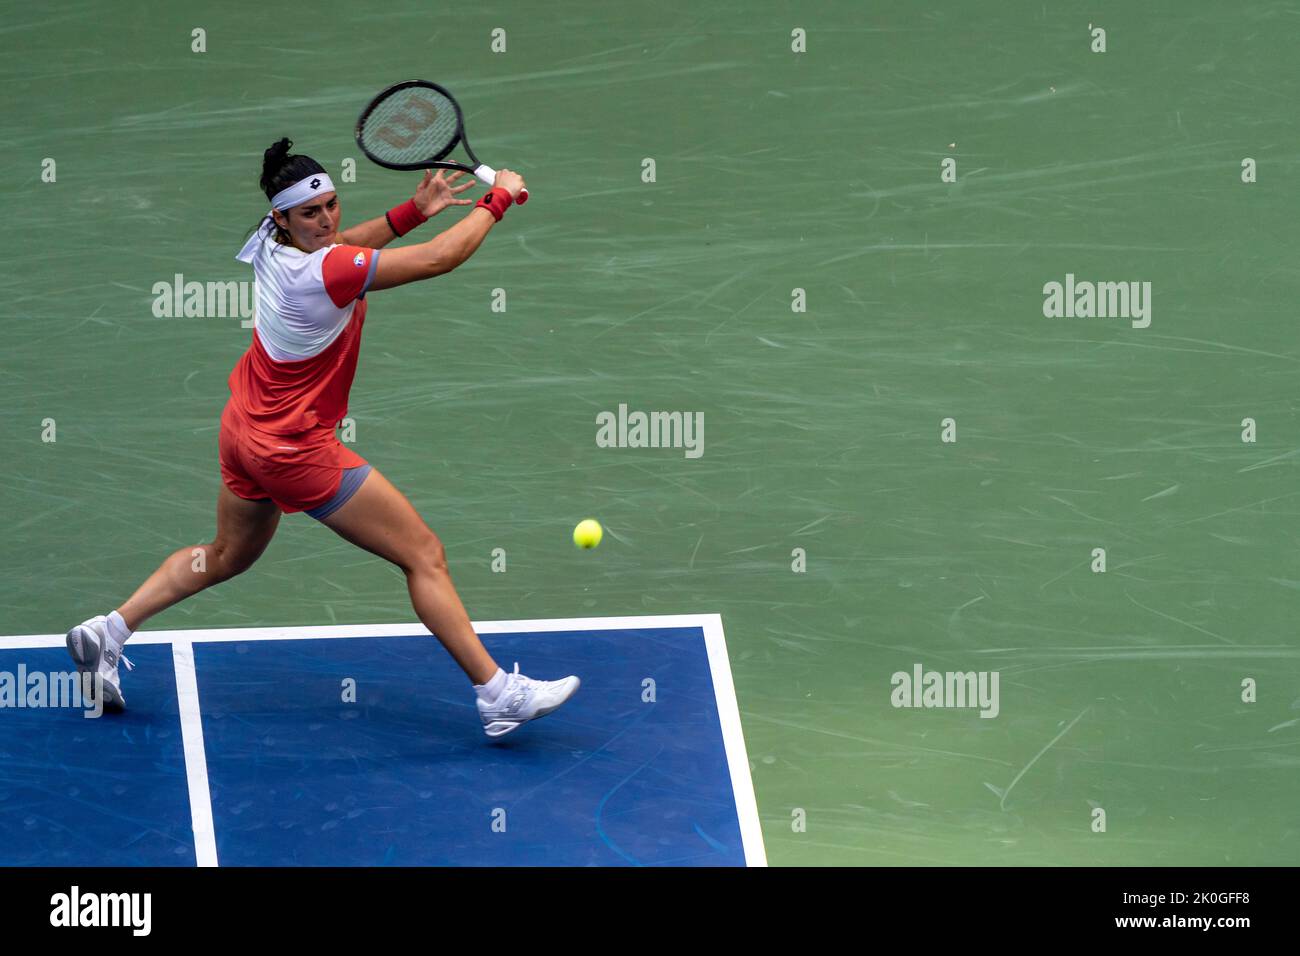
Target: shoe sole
point(85, 651)
point(507, 727)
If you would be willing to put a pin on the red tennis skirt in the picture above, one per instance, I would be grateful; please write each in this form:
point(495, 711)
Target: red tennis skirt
point(298, 472)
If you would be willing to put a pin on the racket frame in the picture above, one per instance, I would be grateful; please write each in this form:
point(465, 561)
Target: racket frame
point(483, 172)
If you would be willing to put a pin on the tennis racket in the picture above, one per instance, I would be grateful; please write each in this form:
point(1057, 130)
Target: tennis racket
point(415, 125)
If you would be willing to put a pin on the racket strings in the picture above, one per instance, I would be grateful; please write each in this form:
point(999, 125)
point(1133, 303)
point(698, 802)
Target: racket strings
point(410, 126)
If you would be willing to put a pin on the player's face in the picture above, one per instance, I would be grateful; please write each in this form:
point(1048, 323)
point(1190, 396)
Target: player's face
point(315, 225)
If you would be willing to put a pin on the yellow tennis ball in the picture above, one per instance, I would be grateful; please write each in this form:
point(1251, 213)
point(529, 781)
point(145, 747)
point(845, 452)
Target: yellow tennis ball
point(588, 533)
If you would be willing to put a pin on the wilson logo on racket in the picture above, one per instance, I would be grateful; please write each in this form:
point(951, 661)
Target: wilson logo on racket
point(417, 115)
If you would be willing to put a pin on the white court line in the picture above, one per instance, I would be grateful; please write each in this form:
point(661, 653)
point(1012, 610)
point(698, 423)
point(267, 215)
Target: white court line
point(196, 760)
point(733, 739)
point(323, 631)
point(724, 690)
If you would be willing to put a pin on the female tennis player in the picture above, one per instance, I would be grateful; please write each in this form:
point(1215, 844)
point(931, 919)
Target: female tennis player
point(278, 450)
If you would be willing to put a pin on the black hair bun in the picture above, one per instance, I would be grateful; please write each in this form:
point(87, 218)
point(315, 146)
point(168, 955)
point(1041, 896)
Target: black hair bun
point(274, 159)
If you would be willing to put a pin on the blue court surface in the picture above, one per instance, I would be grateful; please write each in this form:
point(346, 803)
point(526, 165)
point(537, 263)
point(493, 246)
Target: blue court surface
point(361, 746)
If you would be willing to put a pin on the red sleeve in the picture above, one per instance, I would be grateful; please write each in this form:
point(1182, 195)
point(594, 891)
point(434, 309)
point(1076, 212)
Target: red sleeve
point(348, 271)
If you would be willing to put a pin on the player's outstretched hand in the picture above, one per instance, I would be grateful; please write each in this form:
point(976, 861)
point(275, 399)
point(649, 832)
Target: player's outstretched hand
point(435, 193)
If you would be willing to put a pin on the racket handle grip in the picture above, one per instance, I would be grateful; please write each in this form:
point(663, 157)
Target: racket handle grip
point(488, 177)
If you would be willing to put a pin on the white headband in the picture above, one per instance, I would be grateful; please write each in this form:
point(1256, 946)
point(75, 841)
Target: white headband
point(304, 190)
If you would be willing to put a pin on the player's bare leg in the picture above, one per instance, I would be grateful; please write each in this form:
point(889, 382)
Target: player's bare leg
point(244, 528)
point(380, 519)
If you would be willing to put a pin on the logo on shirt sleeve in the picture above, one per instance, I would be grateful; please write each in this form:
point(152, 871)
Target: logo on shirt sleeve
point(359, 259)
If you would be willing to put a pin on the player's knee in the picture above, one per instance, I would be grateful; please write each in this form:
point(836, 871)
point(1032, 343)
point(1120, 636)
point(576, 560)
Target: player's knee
point(240, 563)
point(228, 562)
point(431, 556)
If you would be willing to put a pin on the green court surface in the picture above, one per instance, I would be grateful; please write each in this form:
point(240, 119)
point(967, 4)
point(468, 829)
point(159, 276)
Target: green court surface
point(775, 171)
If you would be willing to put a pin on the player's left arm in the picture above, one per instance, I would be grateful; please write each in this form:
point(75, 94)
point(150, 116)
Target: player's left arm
point(433, 196)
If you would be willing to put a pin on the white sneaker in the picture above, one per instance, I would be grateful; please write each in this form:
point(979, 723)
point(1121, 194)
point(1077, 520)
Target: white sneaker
point(522, 700)
point(94, 650)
